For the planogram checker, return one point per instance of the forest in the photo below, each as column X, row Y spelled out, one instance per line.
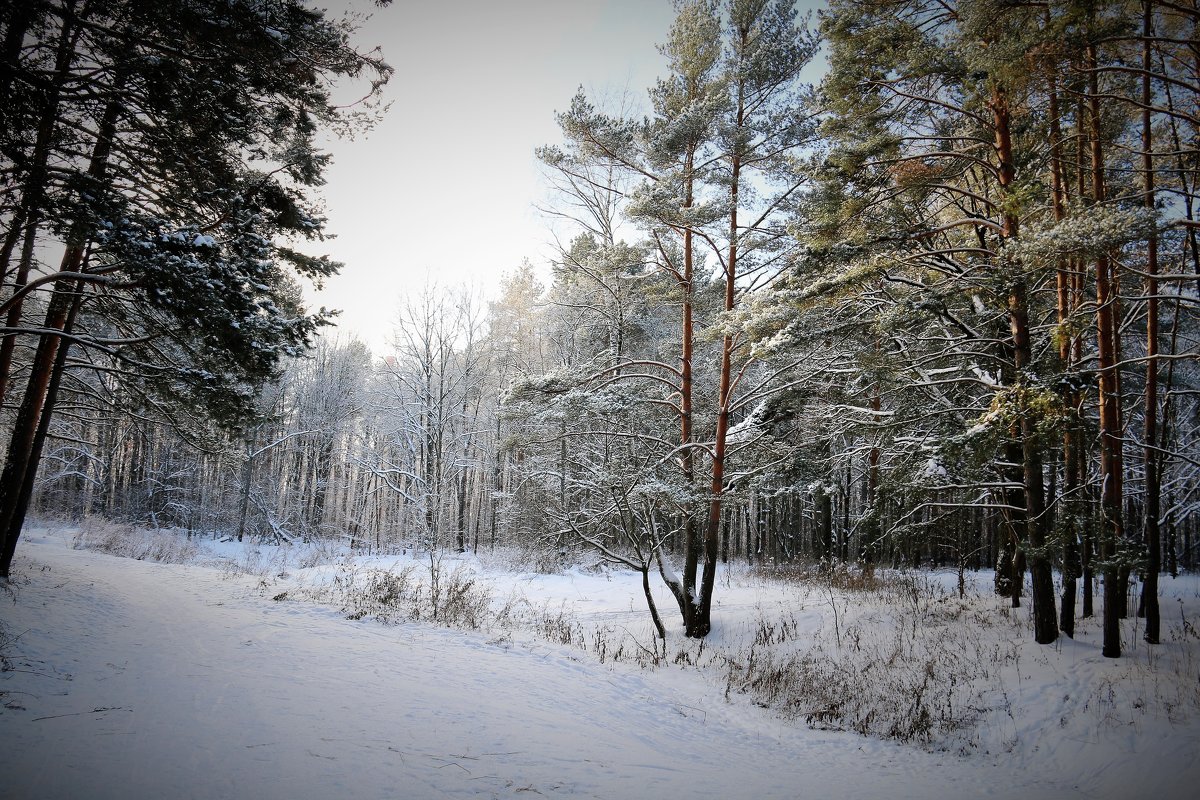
column 937, row 310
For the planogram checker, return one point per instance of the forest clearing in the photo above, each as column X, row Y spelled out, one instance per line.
column 275, row 671
column 761, row 398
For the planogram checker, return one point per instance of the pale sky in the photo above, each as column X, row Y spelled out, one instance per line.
column 444, row 188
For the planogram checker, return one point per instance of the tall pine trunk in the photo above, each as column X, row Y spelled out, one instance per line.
column 18, row 463
column 28, row 216
column 1068, row 523
column 1150, row 433
column 1045, row 622
column 1111, row 467
column 691, row 536
column 22, row 442
column 701, row 622
column 17, row 519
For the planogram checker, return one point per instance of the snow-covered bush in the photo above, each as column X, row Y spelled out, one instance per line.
column 127, row 541
column 529, row 557
column 256, row 560
column 454, row 598
column 918, row 678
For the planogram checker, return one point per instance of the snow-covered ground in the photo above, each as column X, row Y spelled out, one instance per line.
column 238, row 675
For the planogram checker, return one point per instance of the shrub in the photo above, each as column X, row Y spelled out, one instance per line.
column 455, row 599
column 120, row 539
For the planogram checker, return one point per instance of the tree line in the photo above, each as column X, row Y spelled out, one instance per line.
column 935, row 310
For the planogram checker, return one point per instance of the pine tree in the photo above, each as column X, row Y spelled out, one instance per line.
column 188, row 140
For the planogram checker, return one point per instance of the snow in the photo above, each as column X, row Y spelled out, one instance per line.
column 668, row 571
column 933, row 469
column 132, row 679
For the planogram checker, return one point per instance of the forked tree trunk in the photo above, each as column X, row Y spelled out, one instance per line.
column 29, row 414
column 17, row 521
column 33, row 404
column 702, row 622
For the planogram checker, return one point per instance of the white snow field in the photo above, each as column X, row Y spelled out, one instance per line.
column 130, row 679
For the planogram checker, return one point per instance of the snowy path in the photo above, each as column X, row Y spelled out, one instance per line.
column 154, row 681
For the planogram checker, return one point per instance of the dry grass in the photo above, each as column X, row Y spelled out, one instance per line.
column 453, row 598
column 127, row 541
column 919, row 676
